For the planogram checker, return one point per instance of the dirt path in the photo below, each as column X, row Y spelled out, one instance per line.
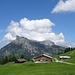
column 66, row 63
column 56, row 60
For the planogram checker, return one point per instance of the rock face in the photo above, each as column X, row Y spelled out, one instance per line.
column 47, row 42
column 30, row 48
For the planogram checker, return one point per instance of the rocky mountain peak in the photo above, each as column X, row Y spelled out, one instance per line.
column 48, row 42
column 30, row 48
column 20, row 40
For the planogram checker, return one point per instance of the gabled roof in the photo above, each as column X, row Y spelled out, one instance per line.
column 42, row 55
column 65, row 57
column 20, row 60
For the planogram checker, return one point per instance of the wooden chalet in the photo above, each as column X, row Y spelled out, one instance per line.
column 61, row 58
column 42, row 58
column 20, row 60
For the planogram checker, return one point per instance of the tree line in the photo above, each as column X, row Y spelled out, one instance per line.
column 69, row 49
column 7, row 59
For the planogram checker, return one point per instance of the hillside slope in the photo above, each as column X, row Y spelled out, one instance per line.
column 71, row 54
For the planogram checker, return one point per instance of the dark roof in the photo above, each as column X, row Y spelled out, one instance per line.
column 21, row 60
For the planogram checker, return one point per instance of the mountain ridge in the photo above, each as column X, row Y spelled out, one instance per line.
column 30, row 48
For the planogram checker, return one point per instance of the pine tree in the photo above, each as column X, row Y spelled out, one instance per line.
column 10, row 59
column 5, row 60
column 22, row 56
column 13, row 58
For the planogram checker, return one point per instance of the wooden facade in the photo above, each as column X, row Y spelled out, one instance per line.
column 42, row 58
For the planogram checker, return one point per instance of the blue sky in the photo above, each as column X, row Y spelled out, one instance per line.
column 56, row 15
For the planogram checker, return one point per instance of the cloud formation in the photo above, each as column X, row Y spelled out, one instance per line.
column 33, row 29
column 64, row 6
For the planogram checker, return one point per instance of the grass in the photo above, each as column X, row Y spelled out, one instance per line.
column 30, row 68
column 71, row 54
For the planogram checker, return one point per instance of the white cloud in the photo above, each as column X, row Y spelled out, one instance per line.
column 33, row 29
column 9, row 37
column 64, row 6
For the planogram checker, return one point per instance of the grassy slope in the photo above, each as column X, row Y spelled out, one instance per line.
column 71, row 54
column 37, row 69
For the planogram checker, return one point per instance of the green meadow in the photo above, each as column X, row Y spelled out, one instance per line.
column 30, row 68
column 71, row 54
